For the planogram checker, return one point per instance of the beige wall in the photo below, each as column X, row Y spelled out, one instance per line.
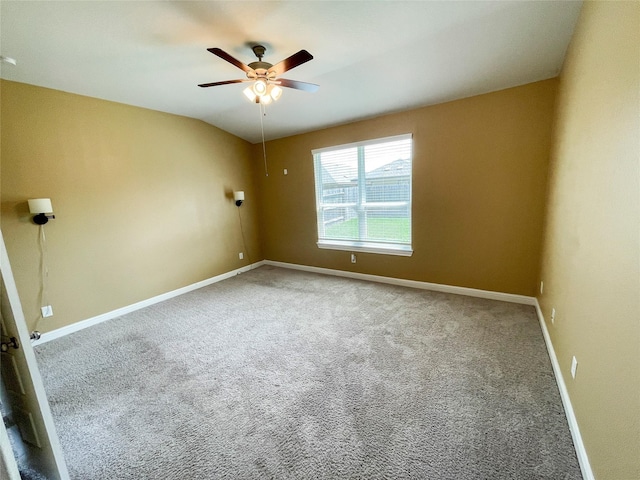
column 479, row 180
column 143, row 206
column 591, row 261
column 142, row 200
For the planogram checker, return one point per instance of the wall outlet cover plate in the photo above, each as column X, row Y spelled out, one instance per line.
column 574, row 367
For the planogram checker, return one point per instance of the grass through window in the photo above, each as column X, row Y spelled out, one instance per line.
column 388, row 229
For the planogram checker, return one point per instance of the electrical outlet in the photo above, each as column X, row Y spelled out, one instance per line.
column 241, row 256
column 541, row 287
column 353, row 258
column 574, row 367
column 286, row 172
column 47, row 311
column 553, row 315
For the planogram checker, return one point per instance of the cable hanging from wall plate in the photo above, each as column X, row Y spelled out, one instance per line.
column 44, row 272
column 244, row 241
column 263, row 113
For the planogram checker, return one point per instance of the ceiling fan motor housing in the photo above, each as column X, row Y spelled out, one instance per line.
column 258, row 66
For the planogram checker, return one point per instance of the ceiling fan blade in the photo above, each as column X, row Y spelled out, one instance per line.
column 234, row 61
column 293, row 61
column 307, row 87
column 226, row 82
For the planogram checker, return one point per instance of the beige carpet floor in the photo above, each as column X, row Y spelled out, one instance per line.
column 282, row 374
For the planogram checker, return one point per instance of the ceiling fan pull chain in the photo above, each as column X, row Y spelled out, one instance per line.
column 263, row 113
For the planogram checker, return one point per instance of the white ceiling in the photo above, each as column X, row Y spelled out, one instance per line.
column 371, row 57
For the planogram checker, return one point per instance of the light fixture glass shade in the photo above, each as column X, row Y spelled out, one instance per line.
column 248, row 92
column 276, row 92
column 239, row 195
column 265, row 99
column 260, row 87
column 40, row 205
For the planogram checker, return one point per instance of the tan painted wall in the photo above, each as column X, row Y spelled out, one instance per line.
column 479, row 180
column 142, row 199
column 591, row 261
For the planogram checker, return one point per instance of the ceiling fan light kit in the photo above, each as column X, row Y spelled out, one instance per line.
column 272, row 93
column 266, row 87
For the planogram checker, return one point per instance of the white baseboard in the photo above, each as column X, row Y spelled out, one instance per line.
column 471, row 292
column 81, row 325
column 578, row 444
column 436, row 287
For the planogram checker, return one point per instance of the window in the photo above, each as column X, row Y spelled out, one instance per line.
column 363, row 196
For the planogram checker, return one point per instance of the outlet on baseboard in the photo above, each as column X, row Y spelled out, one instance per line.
column 574, row 367
column 47, row 311
column 353, row 258
column 241, row 256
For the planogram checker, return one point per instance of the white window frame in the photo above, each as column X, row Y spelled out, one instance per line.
column 388, row 248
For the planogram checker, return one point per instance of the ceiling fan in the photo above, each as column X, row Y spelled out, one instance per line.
column 266, row 84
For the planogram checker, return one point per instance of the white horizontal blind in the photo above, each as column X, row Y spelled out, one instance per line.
column 363, row 194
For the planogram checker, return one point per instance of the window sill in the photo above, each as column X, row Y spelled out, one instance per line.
column 366, row 247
